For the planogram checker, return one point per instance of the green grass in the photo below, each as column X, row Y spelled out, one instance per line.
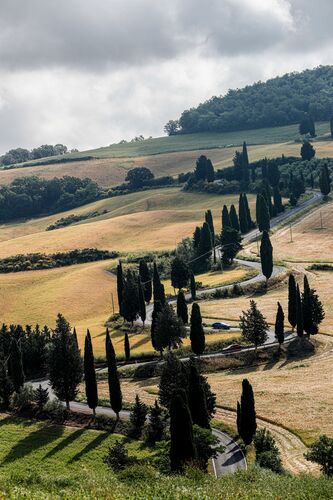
column 188, row 142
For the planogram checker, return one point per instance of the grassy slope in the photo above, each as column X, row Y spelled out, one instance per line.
column 47, row 461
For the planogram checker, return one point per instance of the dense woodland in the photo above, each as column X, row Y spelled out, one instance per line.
column 279, row 101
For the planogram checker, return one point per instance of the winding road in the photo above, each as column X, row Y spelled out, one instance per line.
column 231, row 458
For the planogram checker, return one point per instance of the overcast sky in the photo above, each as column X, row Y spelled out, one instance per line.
column 90, row 72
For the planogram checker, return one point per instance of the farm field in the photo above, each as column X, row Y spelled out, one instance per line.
column 112, row 171
column 149, row 220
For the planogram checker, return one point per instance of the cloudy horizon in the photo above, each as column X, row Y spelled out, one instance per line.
column 89, row 74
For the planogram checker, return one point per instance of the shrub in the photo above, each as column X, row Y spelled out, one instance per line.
column 23, row 399
column 55, row 411
column 321, row 452
column 237, row 290
column 267, row 453
column 117, row 457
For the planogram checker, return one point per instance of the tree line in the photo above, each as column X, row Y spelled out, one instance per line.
column 20, row 155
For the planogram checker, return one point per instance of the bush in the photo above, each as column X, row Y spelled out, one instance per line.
column 55, row 411
column 23, row 399
column 117, row 457
column 270, row 460
column 267, row 453
column 237, row 290
column 321, row 452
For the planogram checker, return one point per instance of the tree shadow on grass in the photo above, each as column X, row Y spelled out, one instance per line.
column 34, row 441
column 90, row 446
column 10, row 419
column 65, row 442
column 140, row 342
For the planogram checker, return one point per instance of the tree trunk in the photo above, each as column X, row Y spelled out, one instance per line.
column 67, row 405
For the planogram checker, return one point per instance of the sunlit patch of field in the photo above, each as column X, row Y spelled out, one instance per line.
column 154, row 220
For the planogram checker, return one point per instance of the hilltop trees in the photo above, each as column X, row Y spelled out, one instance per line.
column 197, row 334
column 246, row 414
column 65, row 362
column 89, row 374
column 266, row 255
column 254, row 326
column 113, row 377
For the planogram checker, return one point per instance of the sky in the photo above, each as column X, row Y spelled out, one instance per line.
column 88, row 73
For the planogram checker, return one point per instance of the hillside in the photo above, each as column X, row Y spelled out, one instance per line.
column 279, row 101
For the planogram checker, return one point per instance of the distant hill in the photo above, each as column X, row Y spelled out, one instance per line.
column 279, row 101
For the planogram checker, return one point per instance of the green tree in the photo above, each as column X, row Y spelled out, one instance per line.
column 141, row 301
column 196, row 237
column 6, row 386
column 182, row 449
column 254, row 326
column 321, row 452
column 299, row 313
column 230, row 244
column 245, row 165
column 266, row 255
column 138, row 417
column 65, row 363
column 277, row 198
column 130, row 303
column 113, row 377
column 158, row 288
column 169, row 330
column 16, row 365
column 145, row 277
column 41, row 396
column 205, row 443
column 200, row 171
column 225, row 217
column 138, row 176
column 197, row 334
column 292, row 301
column 90, row 374
column 210, row 222
column 120, row 286
column 193, row 287
column 238, row 418
column 156, row 424
column 157, row 309
column 205, row 249
column 273, row 174
column 279, row 325
column 250, row 223
column 248, row 424
column 179, row 273
column 313, row 311
column 307, row 151
column 324, row 181
column 234, row 218
column 182, row 311
column 197, row 398
column 243, row 220
column 173, row 378
column 262, row 214
column 210, row 173
column 127, row 347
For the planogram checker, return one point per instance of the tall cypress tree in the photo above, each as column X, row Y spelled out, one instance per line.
column 200, row 171
column 324, row 181
column 158, row 288
column 156, row 424
column 245, row 164
column 266, row 255
column 182, row 449
column 65, row 363
column 145, row 277
column 277, row 198
column 75, row 337
column 130, row 303
column 157, row 309
column 205, row 248
column 120, row 286
column 299, row 314
column 209, row 220
column 193, row 287
column 16, row 365
column 279, row 325
column 248, row 212
column 90, row 374
column 6, row 386
column 225, row 217
column 197, row 334
column 142, row 303
column 262, row 212
column 234, row 218
column 248, row 424
column 127, row 347
column 197, row 398
column 113, row 377
column 292, row 301
column 210, row 173
column 182, row 312
column 243, row 219
column 313, row 311
column 196, row 237
column 266, row 193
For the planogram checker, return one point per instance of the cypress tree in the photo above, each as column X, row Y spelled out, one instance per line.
column 158, row 288
column 210, row 173
column 113, row 377
column 173, row 377
column 75, row 338
column 243, row 220
column 182, row 312
column 197, row 334
column 138, row 418
column 299, row 314
column 16, row 365
column 266, row 193
column 145, row 277
column 250, row 223
column 254, row 326
column 130, row 303
column 307, row 151
column 312, row 128
column 120, row 286
column 90, row 374
column 142, row 302
column 157, row 309
column 210, row 222
column 193, row 287
column 331, row 126
column 313, row 312
column 127, row 347
column 324, row 182
column 266, row 255
column 205, row 248
column 6, row 386
column 225, row 217
column 292, row 301
column 197, row 398
column 248, row 424
column 196, row 237
column 65, row 363
column 200, row 171
column 273, row 174
column 182, row 449
column 156, row 424
column 263, row 217
column 279, row 325
column 245, row 164
column 41, row 396
column 234, row 218
column 277, row 198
